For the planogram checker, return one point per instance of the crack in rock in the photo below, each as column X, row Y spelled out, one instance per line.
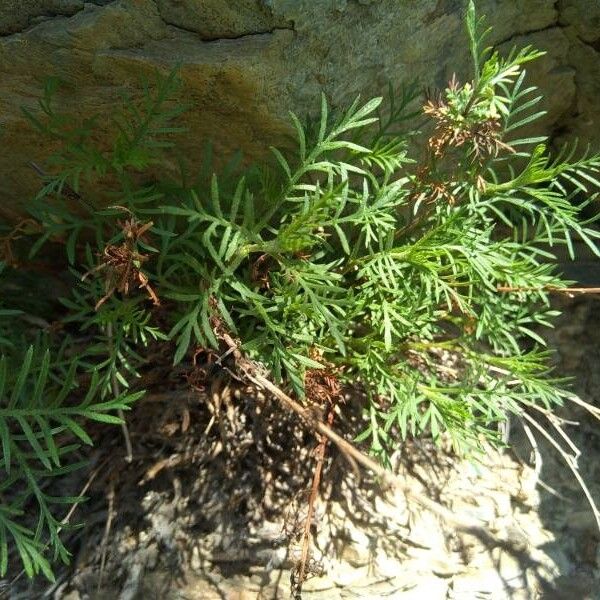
column 514, row 36
column 210, row 39
column 244, row 35
column 595, row 45
column 212, row 24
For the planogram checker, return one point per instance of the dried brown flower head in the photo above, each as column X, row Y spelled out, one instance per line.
column 322, row 386
column 122, row 263
column 455, row 128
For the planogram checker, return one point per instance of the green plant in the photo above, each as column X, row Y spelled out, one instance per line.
column 416, row 281
column 36, row 413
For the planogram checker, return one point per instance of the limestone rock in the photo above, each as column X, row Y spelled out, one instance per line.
column 583, row 17
column 215, row 19
column 554, row 75
column 17, row 15
column 244, row 68
column 489, row 583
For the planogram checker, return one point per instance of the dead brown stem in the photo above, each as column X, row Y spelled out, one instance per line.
column 314, row 490
column 569, row 291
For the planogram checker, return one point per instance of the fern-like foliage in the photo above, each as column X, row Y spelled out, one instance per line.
column 37, row 415
column 420, row 278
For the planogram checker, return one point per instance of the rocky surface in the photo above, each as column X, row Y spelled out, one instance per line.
column 212, row 512
column 367, row 546
column 245, row 67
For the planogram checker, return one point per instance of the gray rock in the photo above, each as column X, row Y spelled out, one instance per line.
column 583, row 17
column 17, row 15
column 244, row 68
column 487, row 583
column 215, row 19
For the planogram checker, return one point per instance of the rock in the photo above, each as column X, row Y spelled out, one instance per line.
column 581, row 586
column 580, row 22
column 481, row 507
column 244, row 68
column 18, row 15
column 340, row 575
column 582, row 521
column 487, row 583
column 426, row 531
column 445, row 566
column 554, row 76
column 508, row 564
column 531, row 531
column 432, row 588
column 215, row 19
column 583, row 17
column 356, row 554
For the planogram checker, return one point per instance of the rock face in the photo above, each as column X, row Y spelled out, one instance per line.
column 245, row 64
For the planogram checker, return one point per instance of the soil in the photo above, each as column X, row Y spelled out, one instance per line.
column 214, row 502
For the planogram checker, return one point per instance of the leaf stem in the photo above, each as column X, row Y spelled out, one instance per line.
column 114, row 384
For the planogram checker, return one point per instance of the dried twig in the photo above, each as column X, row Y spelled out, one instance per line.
column 593, row 410
column 254, row 373
column 388, row 478
column 63, row 189
column 299, row 574
column 537, row 461
column 556, row 422
column 569, row 291
column 122, row 263
column 571, row 463
column 110, row 496
column 22, row 228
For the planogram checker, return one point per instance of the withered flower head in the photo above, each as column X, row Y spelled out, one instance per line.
column 122, row 263
column 322, row 386
column 459, row 120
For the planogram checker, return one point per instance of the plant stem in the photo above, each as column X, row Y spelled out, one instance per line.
column 550, row 288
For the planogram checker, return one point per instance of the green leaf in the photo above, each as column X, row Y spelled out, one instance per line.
column 343, row 239
column 21, row 377
column 76, row 429
column 40, row 454
column 324, row 117
column 306, row 361
column 6, row 445
column 282, row 162
column 41, row 378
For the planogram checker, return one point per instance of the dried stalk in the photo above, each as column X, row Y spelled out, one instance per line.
column 556, row 422
column 314, row 490
column 593, row 410
column 110, row 496
column 254, row 373
column 571, row 463
column 537, row 461
column 388, row 478
column 569, row 291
